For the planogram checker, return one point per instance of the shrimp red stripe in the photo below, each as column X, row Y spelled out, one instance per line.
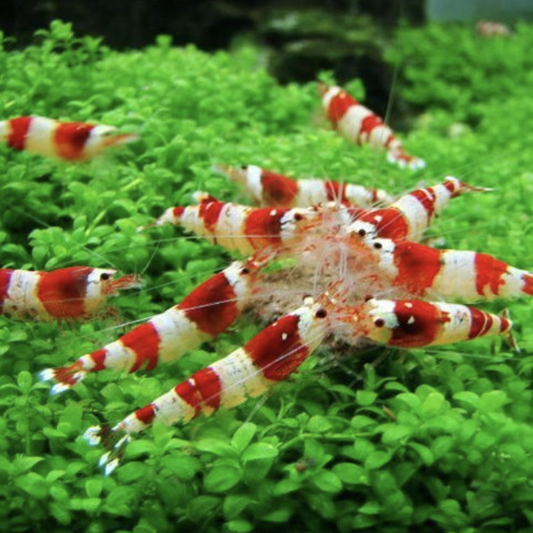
column 368, row 125
column 213, row 306
column 62, row 293
column 69, row 141
column 271, row 188
column 144, row 342
column 417, row 265
column 264, row 348
column 19, row 130
column 489, row 273
column 278, row 190
column 206, row 312
column 5, row 278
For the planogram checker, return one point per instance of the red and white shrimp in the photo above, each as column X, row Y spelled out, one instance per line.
column 68, row 293
column 269, row 357
column 205, row 313
column 68, row 141
column 274, row 189
column 241, row 228
column 360, row 125
column 416, row 323
column 419, row 270
column 409, row 216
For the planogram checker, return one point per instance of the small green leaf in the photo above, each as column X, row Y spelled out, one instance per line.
column 361, row 421
column 93, row 487
column 327, row 481
column 377, row 459
column 350, row 473
column 362, row 448
column 410, row 400
column 23, row 464
column 363, row 521
column 433, row 404
column 493, row 401
column 24, row 381
column 370, row 508
column 243, row 436
column 59, row 492
column 285, row 486
column 33, row 484
column 467, row 399
column 396, row 433
column 259, row 450
column 239, row 526
column 222, row 478
column 132, row 471
column 60, row 513
column 140, row 447
column 319, row 424
column 184, row 466
column 441, row 446
column 234, row 505
column 91, row 504
column 424, row 452
column 366, row 397
column 278, row 515
column 216, row 447
column 484, row 440
column 202, row 505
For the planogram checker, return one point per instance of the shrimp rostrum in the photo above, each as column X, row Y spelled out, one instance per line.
column 372, row 281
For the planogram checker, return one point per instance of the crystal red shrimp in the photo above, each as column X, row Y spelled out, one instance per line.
column 409, row 216
column 424, row 271
column 274, row 189
column 67, row 293
column 203, row 314
column 359, row 125
column 238, row 227
column 405, row 219
column 417, row 323
column 269, row 357
column 68, row 141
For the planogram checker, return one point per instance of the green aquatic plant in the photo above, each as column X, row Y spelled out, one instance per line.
column 438, row 439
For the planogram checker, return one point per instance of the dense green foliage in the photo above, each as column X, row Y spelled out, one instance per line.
column 438, row 440
column 446, row 67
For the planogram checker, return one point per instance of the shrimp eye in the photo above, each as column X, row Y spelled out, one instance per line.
column 321, row 313
column 378, row 245
column 104, row 276
column 298, row 217
column 379, row 322
column 245, row 271
column 361, row 232
column 243, row 167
